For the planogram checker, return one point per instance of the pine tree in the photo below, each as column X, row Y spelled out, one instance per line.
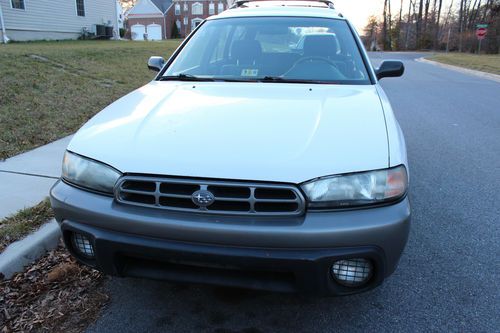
column 175, row 31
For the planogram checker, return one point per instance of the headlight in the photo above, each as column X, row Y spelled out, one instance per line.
column 87, row 173
column 358, row 189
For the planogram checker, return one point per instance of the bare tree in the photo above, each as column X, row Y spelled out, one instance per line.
column 460, row 24
column 426, row 15
column 400, row 13
column 385, row 34
column 390, row 24
column 438, row 17
column 434, row 23
column 371, row 33
column 126, row 4
column 419, row 23
column 486, row 8
column 408, row 24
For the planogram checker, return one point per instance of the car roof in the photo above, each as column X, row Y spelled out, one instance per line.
column 281, row 8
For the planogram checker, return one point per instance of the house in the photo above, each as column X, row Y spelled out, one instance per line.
column 121, row 15
column 155, row 19
column 56, row 19
column 148, row 19
column 189, row 13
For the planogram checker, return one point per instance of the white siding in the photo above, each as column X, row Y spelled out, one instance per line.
column 121, row 16
column 57, row 16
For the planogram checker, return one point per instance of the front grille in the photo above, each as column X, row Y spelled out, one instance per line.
column 229, row 197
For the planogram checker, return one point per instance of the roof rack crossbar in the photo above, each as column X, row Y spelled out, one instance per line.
column 241, row 3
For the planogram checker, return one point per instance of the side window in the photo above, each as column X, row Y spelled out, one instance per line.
column 17, row 4
column 80, row 7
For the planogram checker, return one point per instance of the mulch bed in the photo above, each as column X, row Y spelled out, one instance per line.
column 55, row 294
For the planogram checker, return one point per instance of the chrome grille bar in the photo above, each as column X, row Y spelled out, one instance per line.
column 230, row 197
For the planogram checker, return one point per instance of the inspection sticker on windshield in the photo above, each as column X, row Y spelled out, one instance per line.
column 250, row 72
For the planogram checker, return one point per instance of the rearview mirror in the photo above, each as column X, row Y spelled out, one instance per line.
column 390, row 68
column 156, row 63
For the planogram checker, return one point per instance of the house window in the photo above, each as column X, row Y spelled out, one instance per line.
column 80, row 7
column 185, row 21
column 185, row 7
column 195, row 22
column 211, row 9
column 17, row 4
column 178, row 24
column 177, row 9
column 197, row 9
column 220, row 7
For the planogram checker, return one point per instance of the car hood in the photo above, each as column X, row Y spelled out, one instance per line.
column 242, row 131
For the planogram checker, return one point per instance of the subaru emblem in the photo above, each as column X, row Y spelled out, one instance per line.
column 203, row 198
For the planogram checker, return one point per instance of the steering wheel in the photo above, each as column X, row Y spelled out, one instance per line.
column 320, row 59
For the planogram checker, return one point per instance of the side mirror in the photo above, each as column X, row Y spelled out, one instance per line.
column 156, row 63
column 390, row 68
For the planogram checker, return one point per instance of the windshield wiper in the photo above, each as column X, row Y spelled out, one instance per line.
column 185, row 77
column 271, row 79
column 193, row 78
column 284, row 80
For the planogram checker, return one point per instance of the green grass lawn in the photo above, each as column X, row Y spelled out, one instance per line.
column 485, row 63
column 49, row 89
column 24, row 222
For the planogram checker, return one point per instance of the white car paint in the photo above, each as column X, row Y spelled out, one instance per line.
column 249, row 131
column 395, row 137
column 274, row 8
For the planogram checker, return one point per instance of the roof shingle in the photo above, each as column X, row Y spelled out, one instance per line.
column 163, row 5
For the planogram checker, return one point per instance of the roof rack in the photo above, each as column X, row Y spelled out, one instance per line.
column 242, row 3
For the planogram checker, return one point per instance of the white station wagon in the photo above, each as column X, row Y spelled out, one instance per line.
column 263, row 155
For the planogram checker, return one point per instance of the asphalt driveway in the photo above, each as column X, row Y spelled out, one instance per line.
column 448, row 278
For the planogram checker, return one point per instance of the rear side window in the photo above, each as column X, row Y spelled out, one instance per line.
column 289, row 48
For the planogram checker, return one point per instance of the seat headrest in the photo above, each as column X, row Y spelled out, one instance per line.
column 246, row 52
column 320, row 46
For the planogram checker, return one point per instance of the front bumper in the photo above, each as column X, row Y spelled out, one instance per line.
column 282, row 254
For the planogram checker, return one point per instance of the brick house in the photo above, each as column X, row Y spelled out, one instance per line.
column 189, row 13
column 155, row 19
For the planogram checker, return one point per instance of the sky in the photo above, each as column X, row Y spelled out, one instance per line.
column 358, row 11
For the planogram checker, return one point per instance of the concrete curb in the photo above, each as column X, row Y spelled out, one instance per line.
column 483, row 75
column 23, row 252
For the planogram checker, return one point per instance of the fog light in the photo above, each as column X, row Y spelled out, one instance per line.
column 352, row 272
column 83, row 245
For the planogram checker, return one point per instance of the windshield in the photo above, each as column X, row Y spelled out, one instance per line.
column 274, row 49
